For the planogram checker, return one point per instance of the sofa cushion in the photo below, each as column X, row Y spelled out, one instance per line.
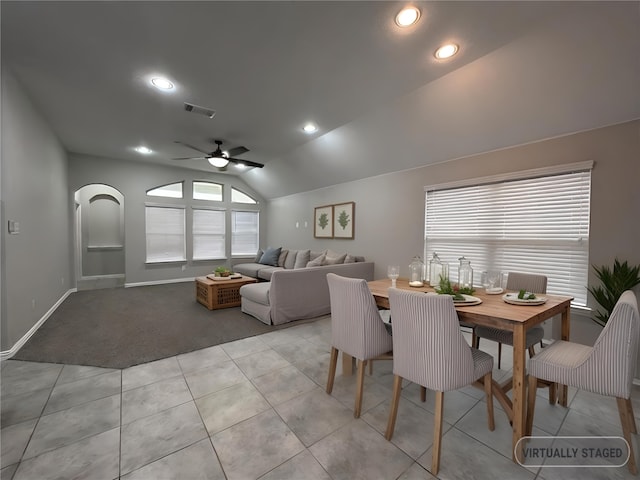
column 334, row 260
column 302, row 258
column 350, row 258
column 317, row 262
column 248, row 269
column 266, row 271
column 282, row 257
column 290, row 262
column 315, row 254
column 270, row 256
column 258, row 256
column 259, row 292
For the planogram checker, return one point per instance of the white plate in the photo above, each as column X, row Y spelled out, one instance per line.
column 494, row 291
column 468, row 300
column 513, row 299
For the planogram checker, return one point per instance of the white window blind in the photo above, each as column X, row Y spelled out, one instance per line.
column 165, row 234
column 245, row 237
column 534, row 225
column 208, row 234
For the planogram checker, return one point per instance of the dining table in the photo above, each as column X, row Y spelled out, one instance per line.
column 494, row 311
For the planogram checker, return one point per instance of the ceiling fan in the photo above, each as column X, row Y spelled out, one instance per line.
column 219, row 158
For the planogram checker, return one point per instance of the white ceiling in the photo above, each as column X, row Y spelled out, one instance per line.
column 526, row 71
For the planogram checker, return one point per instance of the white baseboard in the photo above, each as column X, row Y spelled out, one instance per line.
column 6, row 354
column 159, row 282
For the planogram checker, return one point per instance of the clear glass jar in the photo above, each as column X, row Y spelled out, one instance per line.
column 465, row 273
column 437, row 270
column 416, row 272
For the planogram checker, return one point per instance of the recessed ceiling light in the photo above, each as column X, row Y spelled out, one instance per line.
column 162, row 83
column 310, row 128
column 446, row 51
column 144, row 150
column 407, row 16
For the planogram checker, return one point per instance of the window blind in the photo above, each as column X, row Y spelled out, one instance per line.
column 532, row 225
column 208, row 234
column 165, row 234
column 245, row 238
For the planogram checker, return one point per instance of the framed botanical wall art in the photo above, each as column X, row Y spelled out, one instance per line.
column 323, row 222
column 344, row 217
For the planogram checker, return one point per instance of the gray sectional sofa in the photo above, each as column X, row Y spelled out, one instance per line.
column 296, row 293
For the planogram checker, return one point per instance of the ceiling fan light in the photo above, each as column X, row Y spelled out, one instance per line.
column 218, row 162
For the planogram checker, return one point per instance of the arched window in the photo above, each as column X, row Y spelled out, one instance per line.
column 207, row 191
column 173, row 190
column 240, row 197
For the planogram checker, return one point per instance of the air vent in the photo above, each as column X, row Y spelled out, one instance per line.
column 207, row 112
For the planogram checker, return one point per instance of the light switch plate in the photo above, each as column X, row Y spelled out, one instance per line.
column 14, row 227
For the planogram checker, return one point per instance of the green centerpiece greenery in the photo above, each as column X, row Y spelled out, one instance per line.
column 614, row 283
column 222, row 271
column 446, row 288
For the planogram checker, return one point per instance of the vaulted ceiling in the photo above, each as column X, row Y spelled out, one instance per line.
column 525, row 71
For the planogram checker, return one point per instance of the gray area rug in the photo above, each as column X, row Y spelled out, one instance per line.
column 121, row 327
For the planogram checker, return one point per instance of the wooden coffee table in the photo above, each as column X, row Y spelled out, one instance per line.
column 215, row 294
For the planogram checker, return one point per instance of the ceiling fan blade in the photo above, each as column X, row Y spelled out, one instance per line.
column 248, row 163
column 190, row 158
column 192, row 147
column 237, row 151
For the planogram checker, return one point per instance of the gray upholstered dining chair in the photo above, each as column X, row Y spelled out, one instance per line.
column 356, row 329
column 607, row 368
column 516, row 281
column 430, row 350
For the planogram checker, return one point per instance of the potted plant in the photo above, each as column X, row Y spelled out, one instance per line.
column 614, row 283
column 222, row 271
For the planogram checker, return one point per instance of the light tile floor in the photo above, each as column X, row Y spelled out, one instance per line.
column 256, row 409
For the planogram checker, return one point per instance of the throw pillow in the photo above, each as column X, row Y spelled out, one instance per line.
column 349, row 258
column 290, row 262
column 258, row 256
column 313, row 254
column 270, row 256
column 318, row 262
column 282, row 257
column 334, row 260
column 302, row 258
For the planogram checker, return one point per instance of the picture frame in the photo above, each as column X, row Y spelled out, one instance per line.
column 323, row 222
column 344, row 218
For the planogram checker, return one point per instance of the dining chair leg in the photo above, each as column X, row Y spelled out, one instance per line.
column 627, row 427
column 423, row 393
column 359, row 388
column 393, row 411
column 475, row 340
column 333, row 362
column 634, row 428
column 488, row 390
column 532, row 351
column 437, row 434
column 499, row 355
column 531, row 404
column 553, row 393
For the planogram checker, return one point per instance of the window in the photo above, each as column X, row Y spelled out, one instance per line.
column 244, row 233
column 173, row 190
column 535, row 223
column 208, row 234
column 165, row 233
column 239, row 197
column 207, row 191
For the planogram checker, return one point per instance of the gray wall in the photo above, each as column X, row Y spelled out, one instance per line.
column 133, row 180
column 390, row 208
column 36, row 263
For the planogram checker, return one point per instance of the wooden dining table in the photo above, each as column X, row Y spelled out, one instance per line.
column 495, row 312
